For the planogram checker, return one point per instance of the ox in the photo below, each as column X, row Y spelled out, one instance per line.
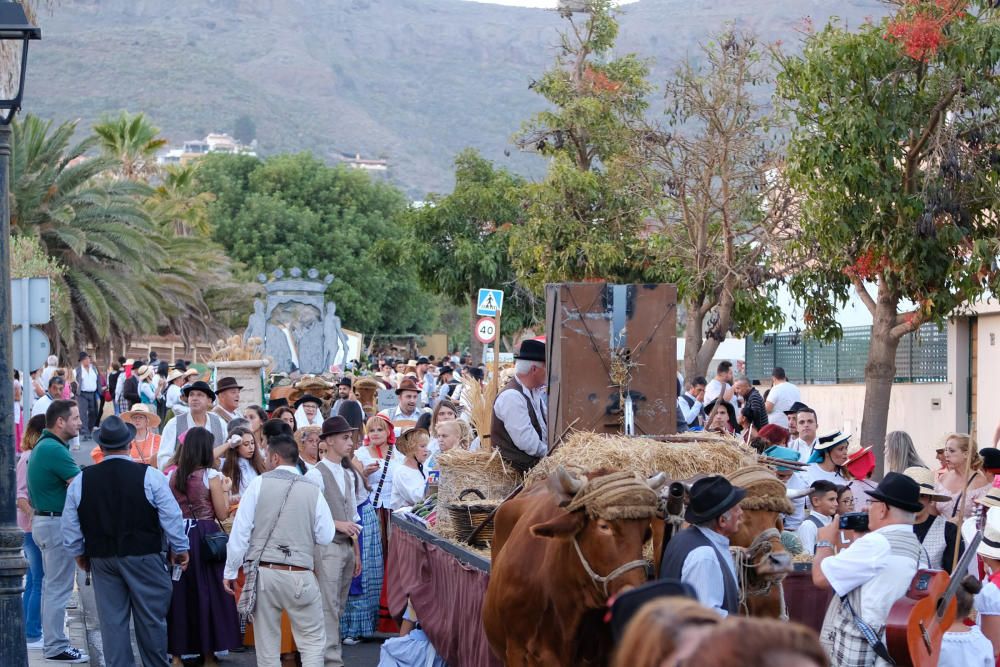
column 553, row 571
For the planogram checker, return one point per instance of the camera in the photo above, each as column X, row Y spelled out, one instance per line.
column 856, row 521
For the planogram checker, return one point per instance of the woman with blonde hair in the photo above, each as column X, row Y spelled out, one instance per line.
column 900, row 453
column 963, row 476
column 32, row 598
column 758, row 642
column 663, row 629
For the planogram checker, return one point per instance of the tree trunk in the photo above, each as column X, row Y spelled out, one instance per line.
column 475, row 347
column 880, row 372
column 693, row 337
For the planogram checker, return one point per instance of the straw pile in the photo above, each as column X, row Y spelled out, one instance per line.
column 482, row 470
column 679, row 456
column 481, row 398
column 764, row 491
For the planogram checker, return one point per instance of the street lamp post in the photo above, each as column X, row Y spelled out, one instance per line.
column 16, row 31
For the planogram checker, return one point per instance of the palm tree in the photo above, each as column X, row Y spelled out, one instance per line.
column 95, row 228
column 132, row 141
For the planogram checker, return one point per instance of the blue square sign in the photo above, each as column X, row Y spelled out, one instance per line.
column 490, row 302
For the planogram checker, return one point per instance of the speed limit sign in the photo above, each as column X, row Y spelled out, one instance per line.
column 486, row 330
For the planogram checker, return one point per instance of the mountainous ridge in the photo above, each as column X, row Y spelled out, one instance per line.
column 415, row 81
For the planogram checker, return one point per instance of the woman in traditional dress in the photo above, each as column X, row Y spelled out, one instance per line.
column 444, row 411
column 307, row 438
column 963, row 476
column 307, row 411
column 202, row 618
column 172, row 397
column 256, row 415
column 243, row 462
column 409, row 479
column 146, row 443
column 287, row 415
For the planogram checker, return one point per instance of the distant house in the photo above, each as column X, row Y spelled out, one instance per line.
column 355, row 161
column 195, row 148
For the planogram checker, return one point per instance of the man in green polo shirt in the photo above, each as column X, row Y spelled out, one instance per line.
column 50, row 470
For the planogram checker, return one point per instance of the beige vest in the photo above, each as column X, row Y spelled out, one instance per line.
column 292, row 542
column 340, row 508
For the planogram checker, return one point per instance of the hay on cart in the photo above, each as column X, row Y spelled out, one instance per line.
column 484, row 471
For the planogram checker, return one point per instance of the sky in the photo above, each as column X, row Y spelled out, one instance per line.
column 547, row 4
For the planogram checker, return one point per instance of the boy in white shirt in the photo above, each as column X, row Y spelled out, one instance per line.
column 823, row 499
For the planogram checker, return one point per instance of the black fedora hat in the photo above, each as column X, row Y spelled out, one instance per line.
column 309, row 398
column 352, row 412
column 797, row 406
column 627, row 604
column 275, row 403
column 531, row 350
column 201, row 386
column 711, row 497
column 114, row 433
column 227, row 383
column 991, row 457
column 335, row 425
column 344, row 382
column 898, row 490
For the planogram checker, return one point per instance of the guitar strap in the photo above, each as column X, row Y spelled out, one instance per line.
column 869, row 634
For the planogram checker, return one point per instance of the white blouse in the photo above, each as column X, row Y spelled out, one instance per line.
column 366, row 458
column 407, row 487
column 988, row 600
column 966, row 649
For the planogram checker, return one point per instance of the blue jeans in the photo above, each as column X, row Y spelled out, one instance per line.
column 32, row 597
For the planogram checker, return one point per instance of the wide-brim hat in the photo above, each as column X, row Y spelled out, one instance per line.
column 199, row 385
column 991, row 457
column 152, row 419
column 831, row 440
column 711, row 497
column 174, row 375
column 143, row 371
column 797, row 406
column 990, row 546
column 191, row 372
column 925, row 478
column 898, row 490
column 114, row 433
column 860, row 461
column 730, row 410
column 308, row 398
column 784, row 454
column 531, row 350
column 991, row 499
column 227, row 383
column 335, row 426
column 406, row 384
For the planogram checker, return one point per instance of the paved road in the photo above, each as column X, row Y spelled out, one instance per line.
column 362, row 655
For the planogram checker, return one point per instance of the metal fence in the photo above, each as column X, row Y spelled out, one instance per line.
column 921, row 357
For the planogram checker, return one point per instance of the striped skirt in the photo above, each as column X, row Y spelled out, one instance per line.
column 361, row 612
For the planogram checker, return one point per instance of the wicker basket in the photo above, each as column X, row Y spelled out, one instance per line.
column 466, row 517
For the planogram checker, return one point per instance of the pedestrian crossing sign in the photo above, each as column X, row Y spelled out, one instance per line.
column 490, row 302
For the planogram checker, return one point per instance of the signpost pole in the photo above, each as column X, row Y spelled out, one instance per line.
column 496, row 357
column 24, row 363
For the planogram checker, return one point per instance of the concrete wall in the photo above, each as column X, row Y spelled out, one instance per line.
column 925, row 411
column 988, row 407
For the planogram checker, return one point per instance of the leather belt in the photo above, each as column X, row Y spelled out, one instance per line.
column 283, row 566
column 37, row 513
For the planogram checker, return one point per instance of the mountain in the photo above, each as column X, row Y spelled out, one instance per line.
column 414, row 81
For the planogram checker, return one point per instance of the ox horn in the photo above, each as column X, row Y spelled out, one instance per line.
column 795, row 494
column 657, row 480
column 567, row 482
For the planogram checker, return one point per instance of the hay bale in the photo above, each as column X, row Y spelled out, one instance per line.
column 460, row 469
column 679, row 456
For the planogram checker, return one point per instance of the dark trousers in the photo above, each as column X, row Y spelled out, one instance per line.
column 88, row 412
column 136, row 586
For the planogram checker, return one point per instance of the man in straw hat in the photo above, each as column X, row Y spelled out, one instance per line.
column 199, row 399
column 870, row 575
column 699, row 555
column 937, row 535
column 145, row 443
column 519, row 429
column 116, row 517
column 340, row 561
column 227, row 399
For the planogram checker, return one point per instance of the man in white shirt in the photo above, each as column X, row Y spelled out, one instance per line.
column 281, row 519
column 823, row 500
column 227, row 399
column 722, row 385
column 806, row 424
column 781, row 397
column 338, row 562
column 519, row 429
column 691, row 404
column 869, row 576
column 51, row 366
column 87, row 386
column 55, row 390
column 199, row 398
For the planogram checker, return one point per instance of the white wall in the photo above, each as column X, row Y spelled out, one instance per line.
column 987, row 403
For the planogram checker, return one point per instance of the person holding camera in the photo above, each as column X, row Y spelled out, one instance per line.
column 115, row 518
column 870, row 575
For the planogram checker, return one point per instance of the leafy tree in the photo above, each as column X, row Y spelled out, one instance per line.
column 895, row 158
column 133, row 141
column 709, row 180
column 459, row 242
column 95, row 229
column 293, row 210
column 244, row 129
column 585, row 220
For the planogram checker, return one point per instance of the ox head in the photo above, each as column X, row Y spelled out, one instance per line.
column 604, row 528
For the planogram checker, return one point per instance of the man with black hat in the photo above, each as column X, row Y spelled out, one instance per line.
column 870, row 575
column 199, row 398
column 344, row 387
column 519, row 429
column 699, row 555
column 88, row 384
column 116, row 516
column 227, row 399
column 340, row 561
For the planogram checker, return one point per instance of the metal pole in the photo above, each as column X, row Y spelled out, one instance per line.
column 13, row 650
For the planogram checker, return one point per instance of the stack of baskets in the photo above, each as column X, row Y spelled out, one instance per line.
column 467, row 515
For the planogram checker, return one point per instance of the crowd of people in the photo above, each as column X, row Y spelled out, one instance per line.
column 194, row 489
column 218, row 525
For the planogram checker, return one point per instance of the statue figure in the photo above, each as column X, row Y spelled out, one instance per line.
column 258, row 322
column 335, row 341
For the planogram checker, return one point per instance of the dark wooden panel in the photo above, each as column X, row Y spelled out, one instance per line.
column 587, row 325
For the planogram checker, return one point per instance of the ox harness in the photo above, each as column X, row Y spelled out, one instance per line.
column 602, row 581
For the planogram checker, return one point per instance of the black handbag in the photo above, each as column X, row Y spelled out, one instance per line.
column 213, row 545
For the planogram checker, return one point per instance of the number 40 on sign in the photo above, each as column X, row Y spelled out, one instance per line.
column 486, row 330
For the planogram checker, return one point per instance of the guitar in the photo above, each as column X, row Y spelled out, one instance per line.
column 917, row 622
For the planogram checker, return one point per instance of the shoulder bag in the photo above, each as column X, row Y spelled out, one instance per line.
column 247, row 603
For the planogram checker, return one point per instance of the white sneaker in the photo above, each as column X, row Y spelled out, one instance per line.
column 350, row 641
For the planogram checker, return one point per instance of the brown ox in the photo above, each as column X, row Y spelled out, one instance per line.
column 553, row 572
